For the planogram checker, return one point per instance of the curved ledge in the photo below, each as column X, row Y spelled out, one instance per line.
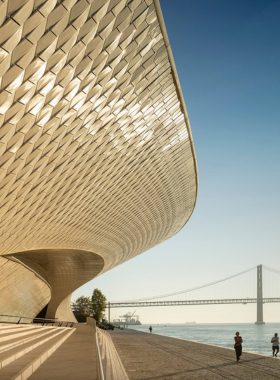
column 177, row 84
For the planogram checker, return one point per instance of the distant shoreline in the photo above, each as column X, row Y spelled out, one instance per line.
column 202, row 323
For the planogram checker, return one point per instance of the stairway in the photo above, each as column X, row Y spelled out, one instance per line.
column 23, row 348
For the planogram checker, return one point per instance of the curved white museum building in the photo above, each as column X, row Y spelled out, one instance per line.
column 97, row 162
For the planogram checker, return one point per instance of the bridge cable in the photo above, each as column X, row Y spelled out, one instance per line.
column 188, row 290
column 271, row 269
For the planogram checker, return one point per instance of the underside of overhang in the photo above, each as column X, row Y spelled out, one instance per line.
column 64, row 270
column 22, row 291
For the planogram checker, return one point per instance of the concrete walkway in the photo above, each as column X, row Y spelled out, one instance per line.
column 75, row 359
column 153, row 357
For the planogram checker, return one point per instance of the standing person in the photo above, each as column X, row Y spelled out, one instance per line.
column 151, row 329
column 275, row 344
column 238, row 346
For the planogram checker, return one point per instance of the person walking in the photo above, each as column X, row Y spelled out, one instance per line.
column 151, row 329
column 275, row 344
column 238, row 345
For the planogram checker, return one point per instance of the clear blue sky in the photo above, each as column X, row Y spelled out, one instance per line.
column 228, row 60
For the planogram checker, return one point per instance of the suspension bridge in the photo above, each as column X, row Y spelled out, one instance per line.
column 258, row 285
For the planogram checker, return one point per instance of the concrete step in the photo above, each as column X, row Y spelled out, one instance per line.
column 19, row 363
column 17, row 339
column 9, row 326
column 15, row 329
column 14, row 334
column 16, row 342
column 17, row 351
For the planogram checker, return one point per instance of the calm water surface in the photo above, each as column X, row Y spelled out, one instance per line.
column 256, row 338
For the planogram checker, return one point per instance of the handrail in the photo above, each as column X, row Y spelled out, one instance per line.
column 43, row 321
column 99, row 365
column 22, row 316
column 100, row 374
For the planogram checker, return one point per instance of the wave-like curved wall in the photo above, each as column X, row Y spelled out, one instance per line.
column 22, row 292
column 96, row 153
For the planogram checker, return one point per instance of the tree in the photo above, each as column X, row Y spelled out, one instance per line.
column 98, row 303
column 81, row 304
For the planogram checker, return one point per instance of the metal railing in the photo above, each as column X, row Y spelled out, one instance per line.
column 16, row 319
column 100, row 375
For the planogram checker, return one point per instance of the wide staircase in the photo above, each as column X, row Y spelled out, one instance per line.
column 24, row 348
column 43, row 352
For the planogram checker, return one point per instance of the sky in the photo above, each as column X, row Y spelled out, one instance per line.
column 228, row 61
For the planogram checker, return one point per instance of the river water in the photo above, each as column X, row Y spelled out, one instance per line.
column 256, row 338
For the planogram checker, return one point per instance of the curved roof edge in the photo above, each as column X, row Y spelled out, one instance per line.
column 178, row 87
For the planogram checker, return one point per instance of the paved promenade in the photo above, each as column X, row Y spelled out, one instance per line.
column 75, row 359
column 155, row 357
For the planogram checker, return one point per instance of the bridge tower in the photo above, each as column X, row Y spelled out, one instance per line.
column 259, row 296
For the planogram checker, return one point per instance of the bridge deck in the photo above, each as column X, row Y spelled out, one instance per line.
column 155, row 357
column 190, row 302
